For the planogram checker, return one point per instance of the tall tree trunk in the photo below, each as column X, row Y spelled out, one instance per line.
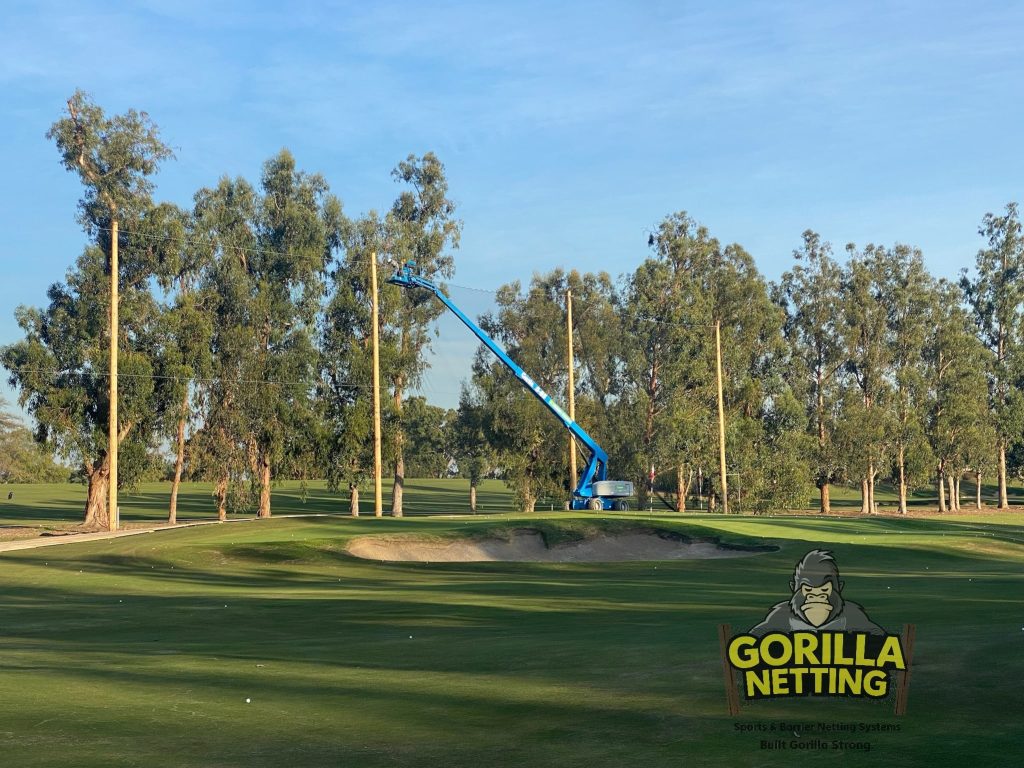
column 472, row 496
column 977, row 490
column 179, row 457
column 399, row 486
column 221, row 493
column 871, row 489
column 942, row 488
column 1003, row 501
column 682, row 488
column 264, row 486
column 96, row 516
column 864, row 496
column 353, row 499
column 529, row 501
column 901, row 463
column 823, row 492
column 957, row 483
column 954, row 503
column 179, row 464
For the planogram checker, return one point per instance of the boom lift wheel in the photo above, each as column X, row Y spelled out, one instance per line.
column 595, row 505
column 621, row 506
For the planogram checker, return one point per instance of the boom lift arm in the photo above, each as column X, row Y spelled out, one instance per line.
column 593, row 490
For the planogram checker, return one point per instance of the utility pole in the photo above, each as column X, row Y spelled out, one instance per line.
column 572, row 389
column 113, row 517
column 375, row 324
column 721, row 417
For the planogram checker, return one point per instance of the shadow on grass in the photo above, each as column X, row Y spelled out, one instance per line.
column 492, row 663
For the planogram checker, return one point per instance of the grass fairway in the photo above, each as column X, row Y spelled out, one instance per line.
column 142, row 651
column 61, row 505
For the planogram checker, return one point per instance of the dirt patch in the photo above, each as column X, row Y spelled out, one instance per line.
column 16, row 533
column 528, row 546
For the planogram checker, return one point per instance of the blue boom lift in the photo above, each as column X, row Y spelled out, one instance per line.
column 594, row 490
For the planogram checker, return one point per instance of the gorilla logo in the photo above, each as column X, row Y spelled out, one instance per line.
column 817, row 603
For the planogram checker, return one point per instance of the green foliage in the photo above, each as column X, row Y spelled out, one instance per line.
column 262, row 290
column 473, row 451
column 531, row 442
column 996, row 296
column 22, row 459
column 60, row 367
column 429, row 434
column 114, row 156
column 247, row 320
column 420, row 226
column 670, row 307
column 962, row 429
column 810, row 293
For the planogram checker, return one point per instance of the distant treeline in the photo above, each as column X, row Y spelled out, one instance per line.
column 245, row 347
column 858, row 370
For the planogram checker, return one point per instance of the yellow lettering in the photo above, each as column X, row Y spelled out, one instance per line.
column 850, row 681
column 819, row 673
column 876, row 683
column 805, row 646
column 742, row 653
column 798, row 679
column 840, row 659
column 892, row 653
column 780, row 683
column 759, row 680
column 863, row 660
column 785, row 650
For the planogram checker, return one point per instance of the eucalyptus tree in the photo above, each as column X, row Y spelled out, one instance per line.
column 473, row 451
column 597, row 348
column 60, row 370
column 528, row 439
column 224, row 232
column 189, row 330
column 420, row 227
column 962, row 429
column 867, row 416
column 909, row 296
column 272, row 248
column 22, row 459
column 810, row 293
column 429, row 433
column 665, row 412
column 297, row 229
column 61, row 366
column 346, row 371
column 671, row 305
column 996, row 295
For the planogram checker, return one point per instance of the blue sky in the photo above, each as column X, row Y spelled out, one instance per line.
column 568, row 130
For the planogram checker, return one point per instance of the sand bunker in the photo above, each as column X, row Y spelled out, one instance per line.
column 529, row 547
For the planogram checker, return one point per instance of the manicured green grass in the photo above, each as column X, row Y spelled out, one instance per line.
column 61, row 504
column 143, row 650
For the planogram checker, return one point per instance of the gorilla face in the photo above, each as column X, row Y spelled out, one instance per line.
column 817, row 590
column 817, row 604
